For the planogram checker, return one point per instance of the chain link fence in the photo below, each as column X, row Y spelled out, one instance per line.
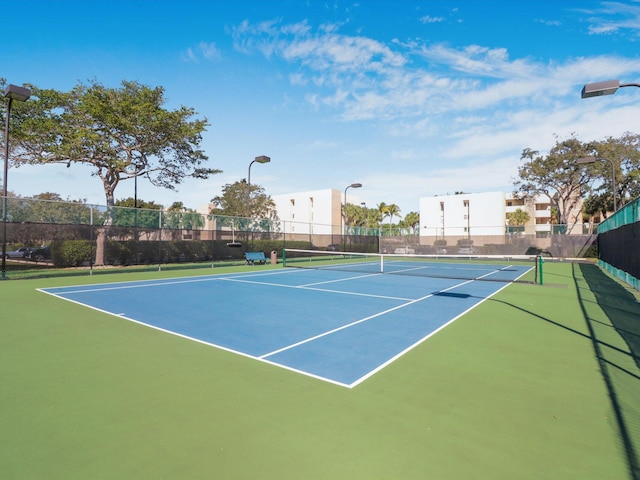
column 73, row 234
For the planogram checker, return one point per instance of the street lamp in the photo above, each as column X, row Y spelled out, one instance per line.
column 613, row 175
column 344, row 218
column 21, row 94
column 260, row 159
column 608, row 87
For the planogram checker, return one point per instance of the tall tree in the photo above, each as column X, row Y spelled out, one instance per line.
column 123, row 133
column 132, row 212
column 234, row 198
column 390, row 211
column 558, row 176
column 180, row 217
column 374, row 217
column 624, row 155
column 354, row 215
column 412, row 220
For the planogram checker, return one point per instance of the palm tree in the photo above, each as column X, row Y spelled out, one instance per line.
column 518, row 218
column 390, row 211
column 412, row 220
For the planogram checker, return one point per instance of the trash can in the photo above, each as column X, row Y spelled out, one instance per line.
column 274, row 257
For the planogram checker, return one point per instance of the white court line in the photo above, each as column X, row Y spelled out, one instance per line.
column 423, row 339
column 343, row 327
column 157, row 283
column 304, row 287
column 341, row 279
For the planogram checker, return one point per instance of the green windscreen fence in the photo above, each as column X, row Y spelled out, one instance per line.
column 619, row 244
column 50, row 235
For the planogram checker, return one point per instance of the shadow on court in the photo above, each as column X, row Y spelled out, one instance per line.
column 616, row 343
column 612, row 316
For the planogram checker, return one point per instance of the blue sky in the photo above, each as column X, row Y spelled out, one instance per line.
column 410, row 98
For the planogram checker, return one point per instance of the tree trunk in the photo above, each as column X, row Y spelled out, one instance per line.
column 101, row 235
column 101, row 243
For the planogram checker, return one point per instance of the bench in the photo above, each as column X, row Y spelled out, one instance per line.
column 255, row 257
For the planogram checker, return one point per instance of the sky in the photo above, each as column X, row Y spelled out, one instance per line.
column 410, row 98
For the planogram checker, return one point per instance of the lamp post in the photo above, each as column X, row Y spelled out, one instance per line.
column 21, row 94
column 260, row 159
column 608, row 87
column 613, row 175
column 344, row 218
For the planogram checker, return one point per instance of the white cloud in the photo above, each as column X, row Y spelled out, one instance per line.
column 204, row 50
column 615, row 17
column 430, row 19
column 209, row 51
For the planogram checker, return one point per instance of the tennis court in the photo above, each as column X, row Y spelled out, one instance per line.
column 532, row 382
column 339, row 322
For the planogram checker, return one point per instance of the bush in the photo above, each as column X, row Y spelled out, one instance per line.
column 72, row 253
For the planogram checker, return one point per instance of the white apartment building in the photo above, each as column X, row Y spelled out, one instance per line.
column 463, row 214
column 312, row 212
column 484, row 216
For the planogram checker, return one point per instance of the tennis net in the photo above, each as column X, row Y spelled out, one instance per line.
column 498, row 268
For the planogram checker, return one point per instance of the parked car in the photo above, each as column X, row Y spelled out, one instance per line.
column 334, row 247
column 39, row 254
column 18, row 253
column 404, row 251
column 466, row 251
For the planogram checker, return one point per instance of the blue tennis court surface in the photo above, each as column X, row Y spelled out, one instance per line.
column 337, row 326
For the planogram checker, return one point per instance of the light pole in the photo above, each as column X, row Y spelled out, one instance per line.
column 21, row 94
column 608, row 87
column 260, row 159
column 613, row 175
column 344, row 217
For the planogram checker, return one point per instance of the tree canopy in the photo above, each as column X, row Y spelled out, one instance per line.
column 557, row 176
column 237, row 201
column 517, row 218
column 411, row 220
column 566, row 183
column 622, row 160
column 123, row 132
column 389, row 210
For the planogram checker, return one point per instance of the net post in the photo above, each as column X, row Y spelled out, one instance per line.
column 540, row 262
column 284, row 258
